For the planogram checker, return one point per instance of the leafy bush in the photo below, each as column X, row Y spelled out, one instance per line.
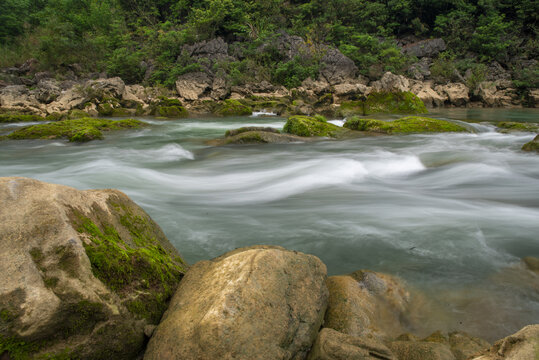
column 292, row 73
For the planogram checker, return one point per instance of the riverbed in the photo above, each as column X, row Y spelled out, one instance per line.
column 452, row 214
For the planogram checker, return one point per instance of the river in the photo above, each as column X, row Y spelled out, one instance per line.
column 452, row 214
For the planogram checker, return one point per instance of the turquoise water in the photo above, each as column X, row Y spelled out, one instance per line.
column 450, row 213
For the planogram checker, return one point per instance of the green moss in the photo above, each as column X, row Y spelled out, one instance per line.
column 326, row 99
column 105, row 109
column 231, row 107
column 84, row 315
column 14, row 118
column 309, row 126
column 17, row 348
column 409, row 124
column 50, row 282
column 164, row 101
column 79, row 130
column 172, row 111
column 250, row 137
column 385, row 102
column 532, row 145
column 6, row 315
column 77, row 114
column 119, row 112
column 55, row 116
column 145, row 268
column 508, row 127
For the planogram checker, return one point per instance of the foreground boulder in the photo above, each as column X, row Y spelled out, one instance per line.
column 256, row 135
column 83, row 272
column 260, row 302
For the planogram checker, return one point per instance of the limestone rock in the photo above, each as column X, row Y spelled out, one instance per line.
column 213, row 50
column 72, row 98
column 391, row 83
column 426, row 93
column 456, row 93
column 491, row 96
column 191, row 86
column 463, row 345
column 334, row 345
column 112, row 87
column 47, row 90
column 522, row 345
column 20, row 99
column 337, row 67
column 82, row 271
column 368, row 301
column 318, row 87
column 425, row 48
column 260, row 302
column 532, row 145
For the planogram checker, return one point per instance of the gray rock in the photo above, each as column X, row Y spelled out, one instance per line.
column 337, row 67
column 425, row 48
column 213, row 50
column 260, row 302
column 192, row 86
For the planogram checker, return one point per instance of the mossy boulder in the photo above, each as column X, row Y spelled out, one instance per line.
column 168, row 108
column 231, row 107
column 532, row 145
column 83, row 272
column 507, row 127
column 235, row 132
column 76, row 130
column 14, row 118
column 306, row 126
column 385, row 102
column 406, row 125
column 77, row 114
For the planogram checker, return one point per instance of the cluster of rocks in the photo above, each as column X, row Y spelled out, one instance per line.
column 23, row 89
column 87, row 274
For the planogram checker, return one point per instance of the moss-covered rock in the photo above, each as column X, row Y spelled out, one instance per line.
column 78, row 130
column 96, row 271
column 172, row 111
column 532, row 145
column 406, row 125
column 14, row 118
column 105, row 109
column 77, row 114
column 235, row 132
column 56, row 116
column 385, row 102
column 507, row 127
column 313, row 126
column 231, row 107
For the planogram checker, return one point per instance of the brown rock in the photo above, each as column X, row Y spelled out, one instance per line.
column 456, row 93
column 421, row 350
column 368, row 301
column 260, row 302
column 463, row 345
column 191, row 86
column 334, row 345
column 391, row 83
column 522, row 345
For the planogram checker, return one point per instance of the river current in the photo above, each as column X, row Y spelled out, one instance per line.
column 452, row 214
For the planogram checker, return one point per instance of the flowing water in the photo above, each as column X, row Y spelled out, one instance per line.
column 452, row 214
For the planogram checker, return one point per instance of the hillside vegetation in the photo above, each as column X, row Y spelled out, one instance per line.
column 141, row 41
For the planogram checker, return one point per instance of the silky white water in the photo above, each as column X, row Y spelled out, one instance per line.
column 452, row 214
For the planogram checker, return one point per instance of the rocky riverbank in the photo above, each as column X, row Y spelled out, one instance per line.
column 338, row 87
column 89, row 275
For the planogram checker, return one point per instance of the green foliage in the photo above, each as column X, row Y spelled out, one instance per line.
column 76, row 130
column 292, row 73
column 492, row 37
column 126, row 64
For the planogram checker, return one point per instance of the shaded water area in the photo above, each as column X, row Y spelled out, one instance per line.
column 450, row 213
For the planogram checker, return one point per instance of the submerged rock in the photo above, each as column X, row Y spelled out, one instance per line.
column 532, row 145
column 259, row 302
column 365, row 301
column 507, row 127
column 75, row 130
column 522, row 345
column 83, row 272
column 258, row 137
column 406, row 125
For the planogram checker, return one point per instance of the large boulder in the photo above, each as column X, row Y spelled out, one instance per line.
column 425, row 48
column 47, row 90
column 522, row 345
column 191, row 86
column 491, row 96
column 20, row 99
column 532, row 145
column 212, row 50
column 260, row 302
column 336, row 67
column 105, row 88
column 83, row 272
